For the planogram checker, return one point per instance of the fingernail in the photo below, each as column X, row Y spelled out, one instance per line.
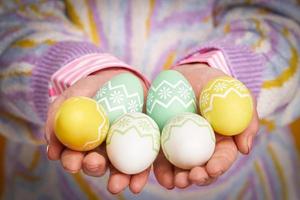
column 219, row 173
column 170, row 188
column 71, row 171
column 202, row 181
column 47, row 137
column 250, row 140
column 47, row 148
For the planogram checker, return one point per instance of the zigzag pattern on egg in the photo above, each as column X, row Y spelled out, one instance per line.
column 144, row 128
column 179, row 121
column 220, row 86
column 101, row 133
column 102, row 98
column 168, row 95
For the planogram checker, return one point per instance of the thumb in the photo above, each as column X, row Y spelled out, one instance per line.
column 84, row 87
column 244, row 141
column 54, row 147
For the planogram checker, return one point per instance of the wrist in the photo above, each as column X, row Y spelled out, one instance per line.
column 109, row 73
column 198, row 74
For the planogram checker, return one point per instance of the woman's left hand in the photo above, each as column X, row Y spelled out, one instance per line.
column 226, row 149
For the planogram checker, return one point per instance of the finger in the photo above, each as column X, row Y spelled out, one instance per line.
column 223, row 157
column 54, row 148
column 95, row 162
column 209, row 181
column 138, row 181
column 71, row 160
column 181, row 178
column 117, row 181
column 198, row 175
column 163, row 171
column 244, row 140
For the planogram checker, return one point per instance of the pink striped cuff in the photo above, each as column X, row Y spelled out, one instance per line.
column 213, row 58
column 242, row 62
column 83, row 66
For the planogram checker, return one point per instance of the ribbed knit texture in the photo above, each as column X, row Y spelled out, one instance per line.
column 244, row 64
column 57, row 56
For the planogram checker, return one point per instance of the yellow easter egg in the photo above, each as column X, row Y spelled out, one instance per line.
column 227, row 105
column 81, row 124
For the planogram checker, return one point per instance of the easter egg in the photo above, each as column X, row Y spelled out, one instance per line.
column 133, row 143
column 227, row 105
column 122, row 94
column 188, row 140
column 81, row 124
column 169, row 95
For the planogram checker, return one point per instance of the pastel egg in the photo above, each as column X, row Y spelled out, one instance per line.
column 81, row 124
column 188, row 140
column 133, row 143
column 170, row 94
column 227, row 104
column 122, row 94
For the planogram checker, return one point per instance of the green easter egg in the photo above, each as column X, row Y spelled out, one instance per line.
column 122, row 94
column 170, row 94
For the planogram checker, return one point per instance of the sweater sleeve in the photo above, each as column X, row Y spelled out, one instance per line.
column 260, row 44
column 37, row 39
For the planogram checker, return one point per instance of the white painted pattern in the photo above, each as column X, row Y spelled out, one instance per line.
column 174, row 98
column 99, row 135
column 223, row 96
column 205, row 98
column 143, row 124
column 120, row 107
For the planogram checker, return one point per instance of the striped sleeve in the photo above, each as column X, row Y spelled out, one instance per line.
column 214, row 58
column 83, row 66
column 234, row 60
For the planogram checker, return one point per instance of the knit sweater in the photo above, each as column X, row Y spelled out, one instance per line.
column 260, row 41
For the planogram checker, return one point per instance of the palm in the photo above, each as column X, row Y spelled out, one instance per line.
column 223, row 157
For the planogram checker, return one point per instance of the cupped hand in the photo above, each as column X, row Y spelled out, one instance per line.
column 226, row 149
column 95, row 162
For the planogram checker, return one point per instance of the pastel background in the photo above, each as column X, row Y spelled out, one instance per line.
column 151, row 36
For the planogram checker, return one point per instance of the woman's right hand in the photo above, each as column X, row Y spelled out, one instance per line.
column 95, row 162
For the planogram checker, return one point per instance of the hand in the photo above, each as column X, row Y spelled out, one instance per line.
column 226, row 149
column 95, row 162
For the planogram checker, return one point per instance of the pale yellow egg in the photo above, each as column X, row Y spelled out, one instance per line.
column 81, row 124
column 227, row 105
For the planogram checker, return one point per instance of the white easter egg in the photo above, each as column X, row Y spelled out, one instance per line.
column 188, row 140
column 169, row 95
column 122, row 94
column 133, row 143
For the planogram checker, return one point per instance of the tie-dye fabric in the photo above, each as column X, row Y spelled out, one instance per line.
column 38, row 37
